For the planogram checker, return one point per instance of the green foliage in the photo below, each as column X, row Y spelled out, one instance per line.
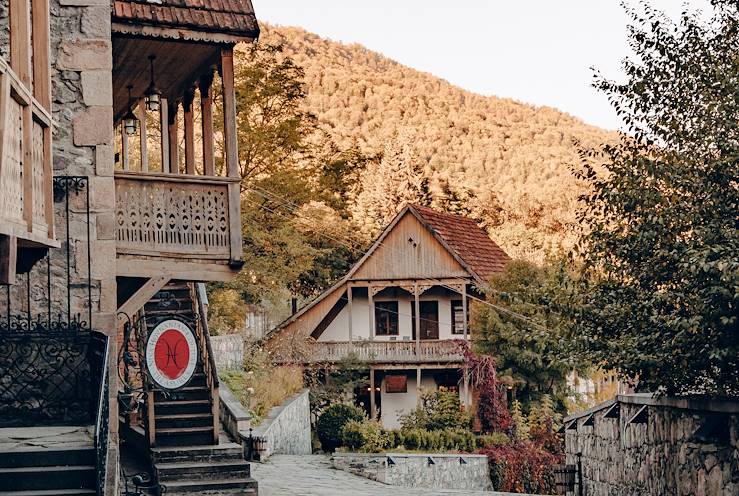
column 348, row 375
column 520, row 422
column 439, row 409
column 367, row 436
column 521, row 467
column 660, row 242
column 534, row 354
column 226, row 312
column 332, row 421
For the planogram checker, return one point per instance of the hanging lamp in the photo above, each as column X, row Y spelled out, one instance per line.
column 152, row 97
column 130, row 121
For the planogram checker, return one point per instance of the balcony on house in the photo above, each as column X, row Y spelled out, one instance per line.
column 385, row 352
column 177, row 182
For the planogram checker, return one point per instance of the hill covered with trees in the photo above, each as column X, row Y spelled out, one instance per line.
column 505, row 160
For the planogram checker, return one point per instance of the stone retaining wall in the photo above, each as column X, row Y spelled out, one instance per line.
column 228, row 351
column 435, row 471
column 675, row 447
column 286, row 428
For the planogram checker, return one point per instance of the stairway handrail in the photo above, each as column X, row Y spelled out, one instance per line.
column 102, row 422
column 206, row 338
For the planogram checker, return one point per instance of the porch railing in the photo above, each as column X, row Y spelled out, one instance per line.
column 102, row 420
column 26, row 202
column 384, row 351
column 178, row 216
column 209, row 363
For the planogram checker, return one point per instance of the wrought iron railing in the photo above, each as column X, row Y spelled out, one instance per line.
column 102, row 421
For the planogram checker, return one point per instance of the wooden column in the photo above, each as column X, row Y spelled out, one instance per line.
column 371, row 304
column 124, row 148
column 417, row 306
column 418, row 385
column 143, row 137
column 373, row 409
column 232, row 153
column 206, row 111
column 163, row 128
column 189, row 133
column 466, row 387
column 41, row 78
column 27, row 146
column 464, row 311
column 349, row 309
column 174, row 146
column 20, row 39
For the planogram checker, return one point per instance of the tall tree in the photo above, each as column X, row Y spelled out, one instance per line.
column 386, row 187
column 661, row 241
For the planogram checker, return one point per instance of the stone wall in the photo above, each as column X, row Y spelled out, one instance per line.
column 228, row 351
column 434, row 471
column 4, row 30
column 286, row 428
column 675, row 447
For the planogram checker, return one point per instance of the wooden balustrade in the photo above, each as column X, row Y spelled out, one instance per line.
column 26, row 203
column 384, row 351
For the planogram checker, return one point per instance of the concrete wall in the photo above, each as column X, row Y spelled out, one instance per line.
column 338, row 330
column 684, row 447
column 444, row 472
column 228, row 351
column 286, row 428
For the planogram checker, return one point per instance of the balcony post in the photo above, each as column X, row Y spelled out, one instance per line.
column 174, row 146
column 20, row 39
column 124, row 148
column 28, row 192
column 349, row 309
column 163, row 123
column 464, row 310
column 417, row 306
column 418, row 386
column 371, row 304
column 373, row 409
column 142, row 137
column 41, row 78
column 232, row 152
column 206, row 112
column 189, row 132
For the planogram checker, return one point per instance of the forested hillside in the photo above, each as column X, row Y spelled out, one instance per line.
column 513, row 156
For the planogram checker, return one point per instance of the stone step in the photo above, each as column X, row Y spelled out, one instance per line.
column 221, row 486
column 203, row 453
column 184, row 420
column 40, row 457
column 48, row 478
column 235, row 469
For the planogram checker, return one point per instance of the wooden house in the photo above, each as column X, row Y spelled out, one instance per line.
column 403, row 308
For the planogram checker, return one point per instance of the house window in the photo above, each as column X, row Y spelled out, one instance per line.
column 458, row 317
column 386, row 318
column 429, row 320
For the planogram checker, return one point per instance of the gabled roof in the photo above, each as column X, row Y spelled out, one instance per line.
column 460, row 235
column 234, row 17
column 480, row 254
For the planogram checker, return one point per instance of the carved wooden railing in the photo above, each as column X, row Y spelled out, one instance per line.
column 178, row 216
column 384, row 351
column 26, row 203
column 206, row 354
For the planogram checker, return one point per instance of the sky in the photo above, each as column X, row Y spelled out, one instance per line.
column 535, row 51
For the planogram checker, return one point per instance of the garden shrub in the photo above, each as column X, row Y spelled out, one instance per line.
column 331, row 422
column 367, row 436
column 521, row 467
column 439, row 409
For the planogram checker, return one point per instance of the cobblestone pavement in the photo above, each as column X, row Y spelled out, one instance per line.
column 313, row 475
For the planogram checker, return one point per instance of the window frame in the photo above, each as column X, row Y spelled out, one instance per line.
column 389, row 310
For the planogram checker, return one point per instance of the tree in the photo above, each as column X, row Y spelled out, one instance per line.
column 660, row 242
column 386, row 187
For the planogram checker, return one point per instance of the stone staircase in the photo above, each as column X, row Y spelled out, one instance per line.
column 61, row 469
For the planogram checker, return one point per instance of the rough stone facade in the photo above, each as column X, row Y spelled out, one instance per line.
column 286, row 428
column 228, row 351
column 434, row 471
column 676, row 447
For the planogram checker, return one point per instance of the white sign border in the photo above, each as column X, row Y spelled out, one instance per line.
column 154, row 372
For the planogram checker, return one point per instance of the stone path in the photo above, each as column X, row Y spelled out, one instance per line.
column 12, row 438
column 313, row 475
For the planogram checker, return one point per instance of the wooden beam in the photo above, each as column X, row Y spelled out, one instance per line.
column 349, row 298
column 124, row 148
column 418, row 384
column 143, row 137
column 371, row 312
column 20, row 39
column 417, row 306
column 189, row 133
column 41, row 78
column 373, row 410
column 27, row 146
column 145, row 293
column 177, row 269
column 206, row 112
column 229, row 112
column 464, row 311
column 8, row 259
column 164, row 131
column 174, row 145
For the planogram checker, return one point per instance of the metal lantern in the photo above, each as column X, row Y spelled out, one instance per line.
column 130, row 121
column 152, row 97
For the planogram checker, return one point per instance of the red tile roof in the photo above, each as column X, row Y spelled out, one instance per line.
column 462, row 234
column 234, row 17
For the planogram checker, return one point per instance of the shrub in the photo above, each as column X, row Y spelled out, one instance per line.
column 367, row 436
column 521, row 467
column 331, row 422
column 439, row 409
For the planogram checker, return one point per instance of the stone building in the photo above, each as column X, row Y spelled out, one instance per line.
column 402, row 308
column 113, row 201
column 637, row 444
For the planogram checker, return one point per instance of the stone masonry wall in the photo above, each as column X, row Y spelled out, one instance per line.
column 461, row 471
column 228, row 351
column 673, row 453
column 287, row 428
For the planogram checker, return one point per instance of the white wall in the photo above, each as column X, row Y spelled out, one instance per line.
column 338, row 330
column 396, row 404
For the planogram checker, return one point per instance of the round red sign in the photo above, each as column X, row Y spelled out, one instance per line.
column 171, row 354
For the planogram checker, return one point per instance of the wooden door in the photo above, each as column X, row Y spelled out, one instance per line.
column 429, row 320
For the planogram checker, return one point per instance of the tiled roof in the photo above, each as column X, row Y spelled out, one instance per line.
column 224, row 16
column 467, row 239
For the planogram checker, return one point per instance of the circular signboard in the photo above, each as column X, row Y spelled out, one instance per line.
column 171, row 354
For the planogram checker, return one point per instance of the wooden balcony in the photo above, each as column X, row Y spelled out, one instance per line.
column 382, row 352
column 26, row 202
column 183, row 225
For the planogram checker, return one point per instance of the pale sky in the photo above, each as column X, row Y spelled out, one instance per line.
column 536, row 51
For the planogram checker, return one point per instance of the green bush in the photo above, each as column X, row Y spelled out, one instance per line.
column 439, row 409
column 367, row 436
column 331, row 422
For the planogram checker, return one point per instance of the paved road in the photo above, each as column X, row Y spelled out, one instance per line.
column 313, row 475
